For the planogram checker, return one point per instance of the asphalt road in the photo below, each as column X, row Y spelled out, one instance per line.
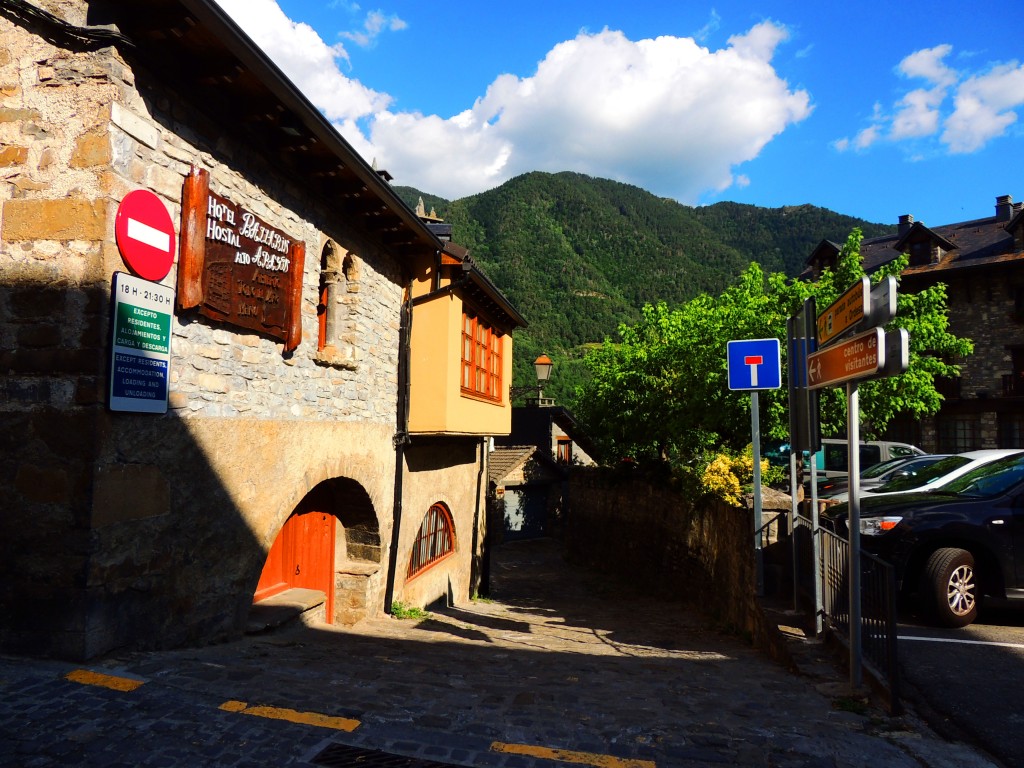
column 970, row 681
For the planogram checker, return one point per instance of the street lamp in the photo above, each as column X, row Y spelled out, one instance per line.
column 542, row 365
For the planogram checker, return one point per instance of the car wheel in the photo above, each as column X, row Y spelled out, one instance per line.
column 950, row 587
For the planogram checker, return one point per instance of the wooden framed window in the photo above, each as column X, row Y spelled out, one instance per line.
column 481, row 359
column 434, row 541
column 564, row 450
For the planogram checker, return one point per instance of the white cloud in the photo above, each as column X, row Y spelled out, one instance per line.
column 665, row 114
column 375, row 23
column 983, row 107
column 917, row 114
column 927, row 63
column 306, row 59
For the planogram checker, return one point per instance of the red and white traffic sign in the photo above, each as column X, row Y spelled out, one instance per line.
column 145, row 234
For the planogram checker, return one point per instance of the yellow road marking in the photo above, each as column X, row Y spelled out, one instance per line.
column 86, row 677
column 571, row 756
column 292, row 716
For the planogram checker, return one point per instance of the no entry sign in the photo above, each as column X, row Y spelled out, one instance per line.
column 145, row 234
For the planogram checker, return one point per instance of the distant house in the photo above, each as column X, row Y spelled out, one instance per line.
column 530, row 470
column 982, row 263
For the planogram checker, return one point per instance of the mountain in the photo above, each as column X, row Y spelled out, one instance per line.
column 578, row 255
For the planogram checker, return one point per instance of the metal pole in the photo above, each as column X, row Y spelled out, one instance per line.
column 853, row 430
column 793, row 490
column 819, row 606
column 755, row 430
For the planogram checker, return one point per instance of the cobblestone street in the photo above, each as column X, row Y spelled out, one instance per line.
column 561, row 668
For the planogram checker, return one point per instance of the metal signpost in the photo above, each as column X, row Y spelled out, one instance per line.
column 753, row 365
column 804, row 435
column 869, row 354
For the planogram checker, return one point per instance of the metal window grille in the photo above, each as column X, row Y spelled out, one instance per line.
column 434, row 541
column 1011, row 430
column 956, row 435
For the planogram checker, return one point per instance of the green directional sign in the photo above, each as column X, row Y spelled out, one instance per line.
column 140, row 359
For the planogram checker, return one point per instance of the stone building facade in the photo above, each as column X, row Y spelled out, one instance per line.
column 981, row 263
column 287, row 393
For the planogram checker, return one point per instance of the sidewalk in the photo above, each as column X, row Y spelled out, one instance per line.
column 562, row 668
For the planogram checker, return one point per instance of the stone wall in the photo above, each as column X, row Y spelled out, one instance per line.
column 650, row 535
column 983, row 308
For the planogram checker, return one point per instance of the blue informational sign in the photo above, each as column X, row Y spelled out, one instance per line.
column 754, row 364
column 141, row 355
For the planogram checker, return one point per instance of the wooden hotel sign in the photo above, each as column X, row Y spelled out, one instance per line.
column 235, row 267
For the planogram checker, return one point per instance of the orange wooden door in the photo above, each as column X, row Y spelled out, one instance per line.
column 302, row 556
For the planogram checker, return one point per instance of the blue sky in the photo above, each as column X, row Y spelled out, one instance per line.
column 869, row 109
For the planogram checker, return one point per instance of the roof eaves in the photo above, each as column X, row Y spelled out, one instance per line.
column 238, row 44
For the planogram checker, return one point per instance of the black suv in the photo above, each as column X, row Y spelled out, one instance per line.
column 953, row 544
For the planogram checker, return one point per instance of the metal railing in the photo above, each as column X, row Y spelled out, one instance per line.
column 878, row 609
column 827, row 595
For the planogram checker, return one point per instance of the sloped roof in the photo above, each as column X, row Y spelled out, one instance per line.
column 196, row 48
column 503, row 461
column 967, row 244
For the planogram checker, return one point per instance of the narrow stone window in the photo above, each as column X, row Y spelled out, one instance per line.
column 335, row 304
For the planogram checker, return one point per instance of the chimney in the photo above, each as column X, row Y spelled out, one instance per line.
column 906, row 222
column 1004, row 208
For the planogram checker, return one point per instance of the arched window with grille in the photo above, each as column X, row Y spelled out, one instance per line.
column 435, row 539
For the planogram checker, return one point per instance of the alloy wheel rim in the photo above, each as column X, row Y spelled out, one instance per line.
column 960, row 593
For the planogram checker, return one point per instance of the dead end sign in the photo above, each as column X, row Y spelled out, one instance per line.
column 754, row 364
column 145, row 235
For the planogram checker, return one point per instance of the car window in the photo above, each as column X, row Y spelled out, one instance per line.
column 990, row 479
column 835, row 457
column 880, row 469
column 870, row 455
column 900, row 450
column 925, row 476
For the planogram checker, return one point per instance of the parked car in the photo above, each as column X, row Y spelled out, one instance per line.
column 833, row 458
column 950, row 544
column 941, row 472
column 880, row 474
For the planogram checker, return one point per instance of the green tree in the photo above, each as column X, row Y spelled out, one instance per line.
column 661, row 390
column 934, row 350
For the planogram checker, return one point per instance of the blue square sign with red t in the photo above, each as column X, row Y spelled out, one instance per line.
column 755, row 364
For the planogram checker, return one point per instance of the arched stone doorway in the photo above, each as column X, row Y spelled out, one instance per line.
column 329, row 544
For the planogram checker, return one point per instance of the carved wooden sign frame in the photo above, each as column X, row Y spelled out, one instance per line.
column 235, row 267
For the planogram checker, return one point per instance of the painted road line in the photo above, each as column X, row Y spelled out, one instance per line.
column 87, row 677
column 292, row 716
column 1019, row 646
column 571, row 756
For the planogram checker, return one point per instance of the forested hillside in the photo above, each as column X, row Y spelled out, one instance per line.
column 579, row 255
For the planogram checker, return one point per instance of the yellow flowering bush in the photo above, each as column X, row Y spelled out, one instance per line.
column 725, row 476
column 720, row 480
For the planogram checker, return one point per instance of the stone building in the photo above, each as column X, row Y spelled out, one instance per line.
column 235, row 365
column 982, row 264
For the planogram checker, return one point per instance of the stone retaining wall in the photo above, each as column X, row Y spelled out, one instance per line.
column 651, row 535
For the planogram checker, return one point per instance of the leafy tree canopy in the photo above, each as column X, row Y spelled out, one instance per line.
column 661, row 390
